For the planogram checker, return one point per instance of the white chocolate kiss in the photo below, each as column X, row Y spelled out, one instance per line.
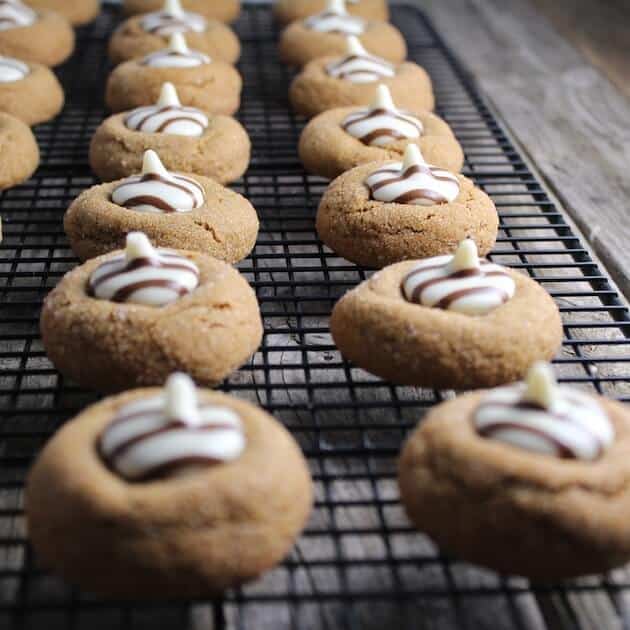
column 177, row 55
column 412, row 182
column 382, row 123
column 158, row 191
column 15, row 14
column 461, row 283
column 171, row 434
column 543, row 417
column 359, row 66
column 335, row 19
column 173, row 19
column 144, row 275
column 168, row 116
column 12, row 70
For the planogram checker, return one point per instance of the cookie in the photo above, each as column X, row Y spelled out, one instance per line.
column 187, row 139
column 19, row 151
column 450, row 322
column 77, row 13
column 132, row 317
column 175, row 210
column 34, row 36
column 29, row 91
column 209, row 84
column 225, row 492
column 325, row 34
column 332, row 82
column 144, row 34
column 286, row 11
column 527, row 479
column 381, row 213
column 222, row 10
column 340, row 139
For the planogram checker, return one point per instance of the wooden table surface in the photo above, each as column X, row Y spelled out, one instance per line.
column 557, row 72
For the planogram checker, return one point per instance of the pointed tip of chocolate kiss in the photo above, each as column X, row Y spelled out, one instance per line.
column 336, row 6
column 383, row 99
column 138, row 245
column 181, row 398
column 152, row 165
column 541, row 384
column 177, row 43
column 354, row 46
column 466, row 256
column 173, row 7
column 168, row 96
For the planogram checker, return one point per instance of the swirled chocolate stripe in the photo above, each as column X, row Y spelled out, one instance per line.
column 568, row 434
column 361, row 69
column 165, row 194
column 379, row 127
column 411, row 191
column 335, row 23
column 155, row 281
column 186, row 121
column 174, row 59
column 164, row 24
column 142, row 443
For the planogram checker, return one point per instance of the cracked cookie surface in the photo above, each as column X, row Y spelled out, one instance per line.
column 514, row 511
column 225, row 226
column 109, row 346
column 376, row 328
column 376, row 234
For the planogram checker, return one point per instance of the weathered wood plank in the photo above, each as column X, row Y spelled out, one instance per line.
column 567, row 116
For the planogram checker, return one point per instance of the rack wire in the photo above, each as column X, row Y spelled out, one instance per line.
column 359, row 564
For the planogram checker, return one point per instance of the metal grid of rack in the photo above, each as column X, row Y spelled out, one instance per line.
column 359, row 564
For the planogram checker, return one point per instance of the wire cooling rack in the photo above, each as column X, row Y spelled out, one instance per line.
column 358, row 565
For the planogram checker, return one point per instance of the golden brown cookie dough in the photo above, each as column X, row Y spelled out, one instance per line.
column 298, row 44
column 513, row 510
column 222, row 10
column 221, row 153
column 130, row 41
column 214, row 87
column 35, row 98
column 185, row 536
column 49, row 40
column 225, row 226
column 326, row 149
column 78, row 12
column 375, row 234
column 314, row 91
column 108, row 346
column 18, row 150
column 376, row 328
column 287, row 11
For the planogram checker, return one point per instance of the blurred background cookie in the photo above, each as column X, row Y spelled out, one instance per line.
column 287, row 11
column 139, row 81
column 143, row 34
column 187, row 139
column 325, row 34
column 330, row 82
column 41, row 36
column 29, row 91
column 222, row 10
column 19, row 153
column 340, row 139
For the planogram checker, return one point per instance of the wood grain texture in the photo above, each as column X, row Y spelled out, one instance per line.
column 565, row 113
column 599, row 30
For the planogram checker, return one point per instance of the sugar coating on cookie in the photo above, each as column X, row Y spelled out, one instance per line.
column 157, row 190
column 359, row 66
column 144, row 275
column 168, row 116
column 412, row 181
column 336, row 19
column 173, row 19
column 463, row 283
column 12, row 70
column 176, row 55
column 382, row 123
column 545, row 418
column 170, row 434
column 15, row 14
